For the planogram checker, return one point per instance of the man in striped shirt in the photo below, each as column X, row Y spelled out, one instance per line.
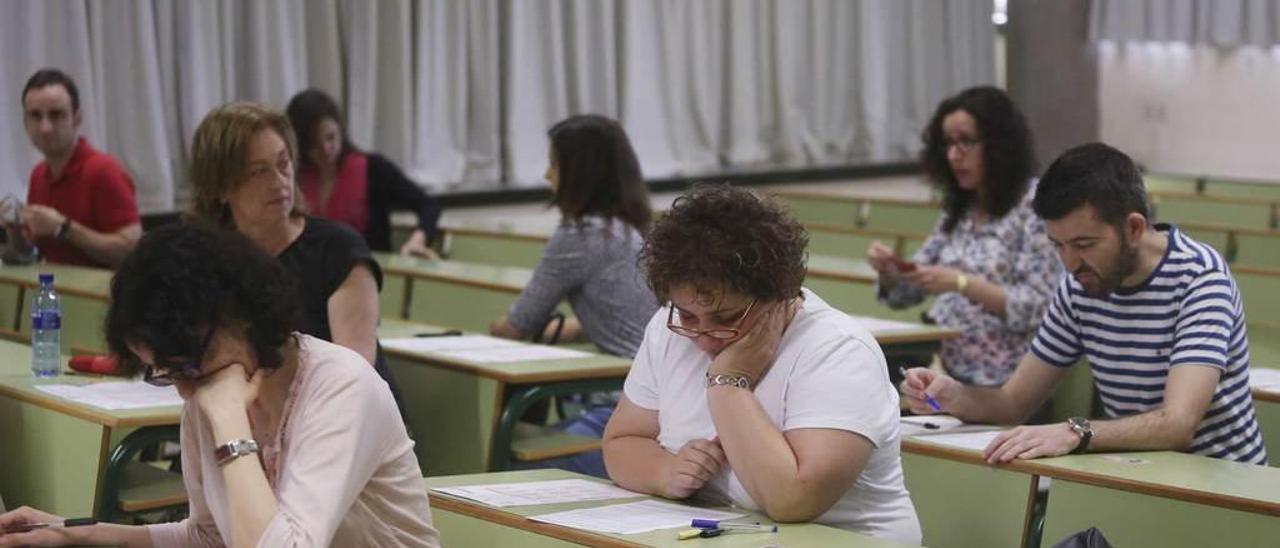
column 1155, row 313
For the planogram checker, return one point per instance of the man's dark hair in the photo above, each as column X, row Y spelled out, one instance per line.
column 52, row 77
column 1093, row 174
column 1008, row 153
column 599, row 172
column 183, row 281
column 719, row 237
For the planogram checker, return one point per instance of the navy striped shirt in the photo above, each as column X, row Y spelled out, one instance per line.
column 1188, row 312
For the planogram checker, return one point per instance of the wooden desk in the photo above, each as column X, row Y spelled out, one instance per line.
column 507, row 242
column 456, row 408
column 84, row 294
column 55, row 450
column 464, row 295
column 467, row 523
column 1155, row 498
column 963, row 502
column 1162, row 499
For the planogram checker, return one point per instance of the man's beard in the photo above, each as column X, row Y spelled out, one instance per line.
column 1105, row 283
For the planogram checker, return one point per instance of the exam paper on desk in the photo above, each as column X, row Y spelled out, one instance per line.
column 539, row 492
column 633, row 518
column 115, row 395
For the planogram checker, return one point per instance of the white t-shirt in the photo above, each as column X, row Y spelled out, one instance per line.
column 829, row 373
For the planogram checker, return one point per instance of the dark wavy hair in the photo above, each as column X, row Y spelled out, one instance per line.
column 1092, row 174
column 52, row 77
column 719, row 237
column 305, row 111
column 599, row 172
column 1008, row 153
column 184, row 280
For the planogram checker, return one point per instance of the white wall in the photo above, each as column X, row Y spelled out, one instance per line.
column 1193, row 110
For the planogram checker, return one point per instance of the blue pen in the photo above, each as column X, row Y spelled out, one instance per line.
column 927, row 398
column 711, row 524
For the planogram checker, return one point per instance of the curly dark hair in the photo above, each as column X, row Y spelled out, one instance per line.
column 1008, row 153
column 719, row 237
column 599, row 172
column 184, row 280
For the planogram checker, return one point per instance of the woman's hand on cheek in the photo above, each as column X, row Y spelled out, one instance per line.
column 228, row 392
column 752, row 354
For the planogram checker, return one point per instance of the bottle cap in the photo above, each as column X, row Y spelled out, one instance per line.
column 46, row 277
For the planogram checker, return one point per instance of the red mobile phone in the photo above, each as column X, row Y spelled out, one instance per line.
column 904, row 266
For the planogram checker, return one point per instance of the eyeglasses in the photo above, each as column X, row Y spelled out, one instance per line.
column 964, row 144
column 188, row 371
column 722, row 333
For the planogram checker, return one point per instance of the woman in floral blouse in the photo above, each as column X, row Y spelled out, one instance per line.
column 988, row 260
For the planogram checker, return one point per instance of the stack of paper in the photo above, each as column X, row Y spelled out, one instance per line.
column 539, row 492
column 1264, row 379
column 115, row 395
column 634, row 517
column 483, row 349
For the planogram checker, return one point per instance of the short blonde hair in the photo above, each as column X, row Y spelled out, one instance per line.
column 220, row 157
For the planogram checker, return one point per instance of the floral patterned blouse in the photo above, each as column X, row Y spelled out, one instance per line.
column 1012, row 251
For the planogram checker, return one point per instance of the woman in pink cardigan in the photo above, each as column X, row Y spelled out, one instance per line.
column 287, row 440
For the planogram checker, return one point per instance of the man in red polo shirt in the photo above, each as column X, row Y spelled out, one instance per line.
column 80, row 204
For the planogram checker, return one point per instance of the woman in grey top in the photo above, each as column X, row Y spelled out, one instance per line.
column 592, row 257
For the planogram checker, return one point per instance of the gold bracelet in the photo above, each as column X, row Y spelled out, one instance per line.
column 962, row 282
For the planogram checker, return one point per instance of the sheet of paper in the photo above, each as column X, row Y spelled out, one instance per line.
column 974, row 441
column 877, row 325
column 520, row 353
column 448, row 343
column 539, row 492
column 634, row 517
column 1261, row 377
column 926, row 424
column 115, row 395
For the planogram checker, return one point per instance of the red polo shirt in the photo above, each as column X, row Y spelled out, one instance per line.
column 94, row 191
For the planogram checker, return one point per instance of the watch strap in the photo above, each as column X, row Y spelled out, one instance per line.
column 233, row 450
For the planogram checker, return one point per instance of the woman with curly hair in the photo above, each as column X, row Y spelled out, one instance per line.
column 287, row 440
column 988, row 261
column 748, row 387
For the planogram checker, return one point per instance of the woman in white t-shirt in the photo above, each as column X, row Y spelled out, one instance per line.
column 750, row 389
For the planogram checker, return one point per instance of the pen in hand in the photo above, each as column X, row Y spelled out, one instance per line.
column 927, row 398
column 28, row 527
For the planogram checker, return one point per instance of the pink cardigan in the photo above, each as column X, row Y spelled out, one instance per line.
column 346, row 474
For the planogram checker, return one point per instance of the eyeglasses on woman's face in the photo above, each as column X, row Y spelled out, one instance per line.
column 722, row 333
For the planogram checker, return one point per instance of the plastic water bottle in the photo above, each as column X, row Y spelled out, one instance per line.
column 46, row 330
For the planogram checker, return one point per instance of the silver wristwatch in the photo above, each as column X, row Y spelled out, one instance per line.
column 233, row 450
column 740, row 381
column 1082, row 428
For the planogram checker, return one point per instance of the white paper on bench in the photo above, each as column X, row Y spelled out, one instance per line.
column 976, row 441
column 1261, row 377
column 539, row 492
column 634, row 517
column 877, row 325
column 447, row 343
column 115, row 395
column 521, row 353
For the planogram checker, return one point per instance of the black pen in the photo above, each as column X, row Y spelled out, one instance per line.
column 28, row 527
column 449, row 333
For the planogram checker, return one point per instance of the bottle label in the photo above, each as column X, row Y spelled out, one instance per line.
column 48, row 319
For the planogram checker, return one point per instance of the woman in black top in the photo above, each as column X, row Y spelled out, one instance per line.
column 342, row 183
column 242, row 159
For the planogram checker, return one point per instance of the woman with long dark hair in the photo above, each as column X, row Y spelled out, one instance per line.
column 988, row 261
column 591, row 258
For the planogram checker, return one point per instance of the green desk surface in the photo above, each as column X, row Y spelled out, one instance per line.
column 72, row 280
column 505, row 278
column 523, row 228
column 468, row 523
column 541, row 371
column 1264, row 345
